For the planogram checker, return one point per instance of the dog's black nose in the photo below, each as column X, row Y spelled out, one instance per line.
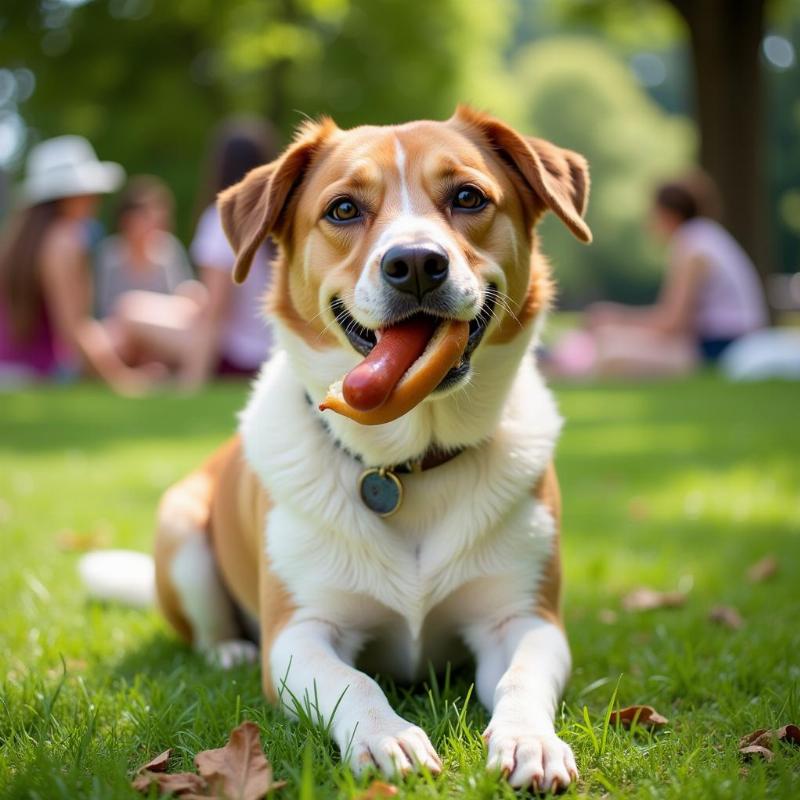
column 415, row 268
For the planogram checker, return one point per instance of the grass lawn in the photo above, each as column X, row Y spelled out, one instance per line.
column 675, row 486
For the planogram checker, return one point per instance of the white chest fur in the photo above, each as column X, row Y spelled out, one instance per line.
column 468, row 542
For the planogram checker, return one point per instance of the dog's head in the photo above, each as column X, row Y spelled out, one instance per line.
column 378, row 224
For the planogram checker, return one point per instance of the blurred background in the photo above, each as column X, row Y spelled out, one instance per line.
column 684, row 486
column 643, row 88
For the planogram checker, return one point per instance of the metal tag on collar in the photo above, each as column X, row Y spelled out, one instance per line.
column 381, row 490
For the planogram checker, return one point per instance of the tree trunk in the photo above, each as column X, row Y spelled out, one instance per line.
column 725, row 39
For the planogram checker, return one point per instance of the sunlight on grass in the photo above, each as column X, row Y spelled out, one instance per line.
column 670, row 485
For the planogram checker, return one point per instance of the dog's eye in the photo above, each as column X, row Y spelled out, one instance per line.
column 469, row 198
column 342, row 210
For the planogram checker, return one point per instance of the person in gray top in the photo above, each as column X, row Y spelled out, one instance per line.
column 143, row 255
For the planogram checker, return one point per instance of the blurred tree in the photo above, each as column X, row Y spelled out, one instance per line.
column 783, row 126
column 576, row 93
column 729, row 104
column 725, row 37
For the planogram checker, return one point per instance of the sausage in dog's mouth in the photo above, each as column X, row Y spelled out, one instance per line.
column 363, row 339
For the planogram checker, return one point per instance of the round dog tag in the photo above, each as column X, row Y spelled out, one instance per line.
column 381, row 491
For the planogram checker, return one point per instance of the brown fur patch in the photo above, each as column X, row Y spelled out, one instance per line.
column 225, row 501
column 184, row 512
column 548, row 593
column 239, row 533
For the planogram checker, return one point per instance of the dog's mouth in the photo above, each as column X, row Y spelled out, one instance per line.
column 363, row 339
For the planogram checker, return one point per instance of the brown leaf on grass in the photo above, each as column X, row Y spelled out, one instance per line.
column 377, row 789
column 755, row 737
column 239, row 770
column 645, row 599
column 80, row 542
column 643, row 716
column 159, row 763
column 181, row 784
column 754, row 750
column 761, row 742
column 727, row 616
column 789, row 733
column 763, row 570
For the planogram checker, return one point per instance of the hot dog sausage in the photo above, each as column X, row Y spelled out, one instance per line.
column 369, row 384
column 425, row 374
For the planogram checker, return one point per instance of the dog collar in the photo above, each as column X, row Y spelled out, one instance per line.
column 380, row 488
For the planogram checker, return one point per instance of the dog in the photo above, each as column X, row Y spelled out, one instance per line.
column 456, row 551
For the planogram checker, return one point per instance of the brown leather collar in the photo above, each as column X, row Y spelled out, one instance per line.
column 433, row 457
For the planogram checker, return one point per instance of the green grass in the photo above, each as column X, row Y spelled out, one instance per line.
column 670, row 485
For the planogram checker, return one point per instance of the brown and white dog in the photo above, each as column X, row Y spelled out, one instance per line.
column 375, row 225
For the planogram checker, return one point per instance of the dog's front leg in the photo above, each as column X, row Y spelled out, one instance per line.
column 523, row 665
column 311, row 663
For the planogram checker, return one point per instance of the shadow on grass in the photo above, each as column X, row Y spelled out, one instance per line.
column 89, row 417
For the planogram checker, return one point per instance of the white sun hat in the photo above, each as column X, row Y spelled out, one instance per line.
column 67, row 166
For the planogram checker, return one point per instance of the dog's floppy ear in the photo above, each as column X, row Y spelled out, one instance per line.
column 560, row 178
column 254, row 208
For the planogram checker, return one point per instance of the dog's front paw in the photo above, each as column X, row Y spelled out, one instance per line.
column 540, row 761
column 395, row 749
column 231, row 653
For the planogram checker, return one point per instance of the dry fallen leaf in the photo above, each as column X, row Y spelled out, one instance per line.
column 182, row 784
column 644, row 716
column 645, row 599
column 727, row 616
column 789, row 733
column 239, row 770
column 756, row 750
column 761, row 742
column 376, row 790
column 763, row 570
column 159, row 763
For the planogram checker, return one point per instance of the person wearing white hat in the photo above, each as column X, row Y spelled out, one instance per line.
column 46, row 325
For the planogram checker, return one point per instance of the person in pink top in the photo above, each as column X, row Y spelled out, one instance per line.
column 240, row 339
column 711, row 296
column 46, row 290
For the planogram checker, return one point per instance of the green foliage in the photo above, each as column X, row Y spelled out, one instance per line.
column 576, row 93
column 146, row 81
column 664, row 485
column 628, row 24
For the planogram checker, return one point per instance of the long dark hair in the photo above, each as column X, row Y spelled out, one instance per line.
column 236, row 147
column 20, row 285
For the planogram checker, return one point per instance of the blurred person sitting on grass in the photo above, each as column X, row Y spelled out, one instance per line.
column 47, row 330
column 224, row 332
column 710, row 297
column 146, row 293
column 142, row 255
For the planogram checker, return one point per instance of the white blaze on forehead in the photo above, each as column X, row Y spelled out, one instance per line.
column 408, row 227
column 400, row 160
